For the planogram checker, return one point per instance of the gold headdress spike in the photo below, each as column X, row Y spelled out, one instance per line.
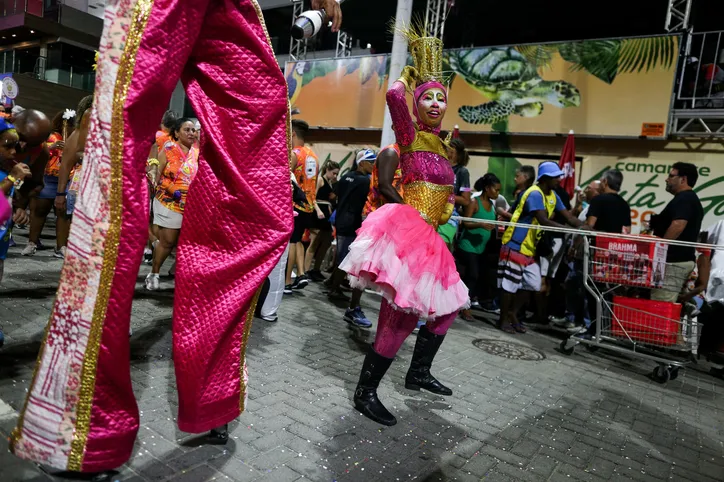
column 426, row 52
column 95, row 66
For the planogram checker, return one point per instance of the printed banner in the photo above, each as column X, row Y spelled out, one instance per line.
column 610, row 87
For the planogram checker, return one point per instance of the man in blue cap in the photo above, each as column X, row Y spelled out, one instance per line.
column 352, row 191
column 519, row 268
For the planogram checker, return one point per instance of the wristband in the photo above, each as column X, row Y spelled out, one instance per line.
column 11, row 179
column 152, row 162
column 61, row 194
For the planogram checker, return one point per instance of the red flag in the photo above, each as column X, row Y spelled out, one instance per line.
column 568, row 165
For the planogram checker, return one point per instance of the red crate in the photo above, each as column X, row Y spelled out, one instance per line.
column 647, row 321
column 629, row 262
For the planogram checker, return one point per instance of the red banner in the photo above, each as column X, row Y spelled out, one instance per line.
column 568, row 165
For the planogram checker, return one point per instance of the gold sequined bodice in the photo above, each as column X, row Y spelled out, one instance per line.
column 428, row 198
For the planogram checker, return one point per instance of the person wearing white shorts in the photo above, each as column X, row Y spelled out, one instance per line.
column 513, row 276
column 517, row 268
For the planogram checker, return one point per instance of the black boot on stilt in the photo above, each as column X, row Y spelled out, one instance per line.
column 219, row 435
column 418, row 376
column 365, row 396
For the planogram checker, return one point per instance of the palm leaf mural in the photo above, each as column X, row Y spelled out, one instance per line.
column 639, row 54
column 599, row 58
column 606, row 59
column 539, row 55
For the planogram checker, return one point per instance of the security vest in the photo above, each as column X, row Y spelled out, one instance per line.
column 527, row 247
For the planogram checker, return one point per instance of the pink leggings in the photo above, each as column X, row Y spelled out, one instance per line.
column 395, row 326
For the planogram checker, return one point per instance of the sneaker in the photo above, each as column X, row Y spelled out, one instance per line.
column 153, row 282
column 420, row 323
column 147, row 256
column 30, row 249
column 300, row 282
column 559, row 321
column 357, row 317
column 270, row 319
column 12, row 243
column 60, row 253
column 576, row 329
column 475, row 304
column 288, row 290
column 316, row 276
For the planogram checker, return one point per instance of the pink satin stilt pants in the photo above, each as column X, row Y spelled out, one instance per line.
column 81, row 413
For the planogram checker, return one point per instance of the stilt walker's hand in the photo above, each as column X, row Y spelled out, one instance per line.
column 333, row 11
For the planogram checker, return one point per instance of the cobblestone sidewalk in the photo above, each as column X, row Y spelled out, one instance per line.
column 521, row 411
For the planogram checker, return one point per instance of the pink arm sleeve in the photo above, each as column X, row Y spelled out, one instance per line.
column 401, row 120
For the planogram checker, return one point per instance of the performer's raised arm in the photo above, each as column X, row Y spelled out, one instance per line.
column 402, row 123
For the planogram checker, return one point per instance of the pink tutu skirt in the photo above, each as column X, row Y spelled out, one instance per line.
column 399, row 253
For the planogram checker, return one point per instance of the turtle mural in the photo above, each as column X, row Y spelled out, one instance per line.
column 511, row 83
column 510, row 79
column 513, row 86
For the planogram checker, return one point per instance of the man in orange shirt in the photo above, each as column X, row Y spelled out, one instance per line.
column 305, row 169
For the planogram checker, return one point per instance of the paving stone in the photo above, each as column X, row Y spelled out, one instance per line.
column 480, row 464
column 201, row 473
column 271, row 459
column 234, row 468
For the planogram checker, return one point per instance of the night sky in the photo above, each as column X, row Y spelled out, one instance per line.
column 496, row 22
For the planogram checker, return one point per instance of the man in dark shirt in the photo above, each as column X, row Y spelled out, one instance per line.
column 608, row 211
column 352, row 191
column 680, row 220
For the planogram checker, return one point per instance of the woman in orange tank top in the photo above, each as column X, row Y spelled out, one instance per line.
column 178, row 165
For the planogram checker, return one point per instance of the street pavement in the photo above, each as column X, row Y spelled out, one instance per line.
column 521, row 411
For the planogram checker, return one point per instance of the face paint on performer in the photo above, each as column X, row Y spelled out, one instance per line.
column 431, row 107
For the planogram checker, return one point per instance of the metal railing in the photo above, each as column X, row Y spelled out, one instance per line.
column 701, row 80
column 699, row 95
column 57, row 73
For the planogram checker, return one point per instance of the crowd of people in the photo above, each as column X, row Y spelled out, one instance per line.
column 513, row 273
column 510, row 272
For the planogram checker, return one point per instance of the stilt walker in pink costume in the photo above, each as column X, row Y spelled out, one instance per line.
column 80, row 414
column 398, row 248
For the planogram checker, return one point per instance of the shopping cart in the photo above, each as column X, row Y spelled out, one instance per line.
column 620, row 275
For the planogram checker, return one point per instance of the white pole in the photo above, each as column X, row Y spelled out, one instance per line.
column 397, row 62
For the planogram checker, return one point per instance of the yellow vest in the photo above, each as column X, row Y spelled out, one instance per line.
column 527, row 247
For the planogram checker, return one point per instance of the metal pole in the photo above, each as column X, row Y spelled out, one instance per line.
column 397, row 62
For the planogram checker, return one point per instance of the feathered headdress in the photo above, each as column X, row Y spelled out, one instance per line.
column 426, row 52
